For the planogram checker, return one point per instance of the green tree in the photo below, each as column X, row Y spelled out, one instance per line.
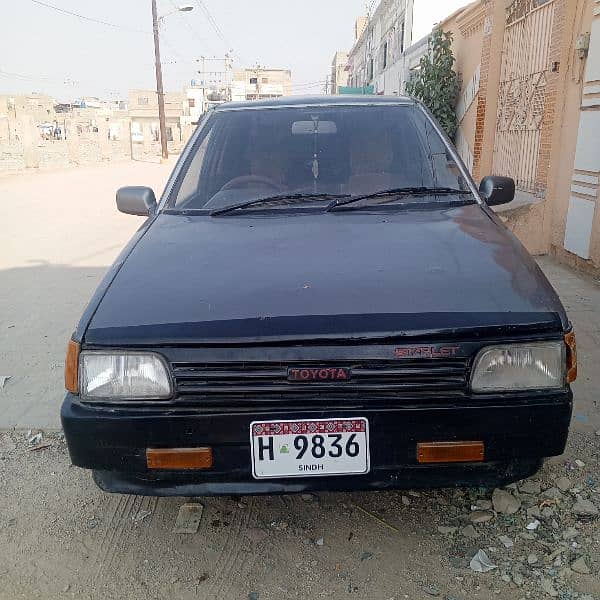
column 436, row 83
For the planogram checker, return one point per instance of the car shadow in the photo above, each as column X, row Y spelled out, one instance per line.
column 40, row 305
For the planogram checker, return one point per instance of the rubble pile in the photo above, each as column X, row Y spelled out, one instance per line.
column 537, row 536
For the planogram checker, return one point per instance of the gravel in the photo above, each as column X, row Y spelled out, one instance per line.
column 564, row 484
column 580, row 566
column 299, row 543
column 505, row 503
column 585, row 508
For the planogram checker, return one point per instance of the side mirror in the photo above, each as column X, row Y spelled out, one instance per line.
column 136, row 200
column 497, row 190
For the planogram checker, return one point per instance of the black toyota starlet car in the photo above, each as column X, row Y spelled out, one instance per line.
column 322, row 299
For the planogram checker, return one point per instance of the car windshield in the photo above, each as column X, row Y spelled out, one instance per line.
column 250, row 154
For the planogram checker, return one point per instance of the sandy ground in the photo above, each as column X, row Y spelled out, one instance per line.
column 59, row 231
column 60, row 537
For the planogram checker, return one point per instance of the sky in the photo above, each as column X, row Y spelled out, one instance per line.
column 44, row 50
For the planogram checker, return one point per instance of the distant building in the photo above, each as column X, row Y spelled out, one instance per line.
column 39, row 106
column 199, row 97
column 15, row 107
column 143, row 111
column 376, row 59
column 258, row 83
column 339, row 72
column 88, row 102
column 194, row 103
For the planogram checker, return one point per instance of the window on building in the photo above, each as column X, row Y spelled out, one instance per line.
column 191, row 102
column 265, row 80
column 401, row 40
column 253, row 80
column 385, row 55
column 370, row 70
column 143, row 101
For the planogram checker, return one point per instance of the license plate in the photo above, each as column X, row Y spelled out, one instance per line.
column 309, row 448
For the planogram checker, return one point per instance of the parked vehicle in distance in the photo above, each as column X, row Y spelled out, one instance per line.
column 321, row 300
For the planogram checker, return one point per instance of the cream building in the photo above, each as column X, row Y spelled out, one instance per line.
column 259, row 82
column 339, row 72
column 375, row 60
column 143, row 111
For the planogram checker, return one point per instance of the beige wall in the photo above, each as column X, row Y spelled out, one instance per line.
column 540, row 221
column 39, row 106
column 466, row 26
column 144, row 104
column 574, row 94
column 339, row 75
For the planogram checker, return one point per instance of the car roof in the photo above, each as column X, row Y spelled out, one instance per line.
column 291, row 101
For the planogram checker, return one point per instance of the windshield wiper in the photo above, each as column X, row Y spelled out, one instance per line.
column 401, row 191
column 276, row 198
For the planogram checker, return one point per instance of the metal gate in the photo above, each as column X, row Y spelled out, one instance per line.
column 522, row 93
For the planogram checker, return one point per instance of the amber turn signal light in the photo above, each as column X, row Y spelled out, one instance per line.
column 571, row 356
column 72, row 367
column 179, row 459
column 449, row 452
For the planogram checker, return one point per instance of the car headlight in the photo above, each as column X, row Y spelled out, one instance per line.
column 123, row 376
column 537, row 365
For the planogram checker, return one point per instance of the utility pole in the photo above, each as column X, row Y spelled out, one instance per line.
column 159, row 85
column 257, row 73
column 228, row 73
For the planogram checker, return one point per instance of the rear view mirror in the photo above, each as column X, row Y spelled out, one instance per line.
column 312, row 127
column 497, row 190
column 136, row 200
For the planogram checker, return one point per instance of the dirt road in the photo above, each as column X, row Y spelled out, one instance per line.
column 60, row 537
column 59, row 232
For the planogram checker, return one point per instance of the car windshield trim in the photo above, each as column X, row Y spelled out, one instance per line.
column 398, row 192
column 276, row 198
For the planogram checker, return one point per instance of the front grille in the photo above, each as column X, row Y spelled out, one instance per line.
column 238, row 382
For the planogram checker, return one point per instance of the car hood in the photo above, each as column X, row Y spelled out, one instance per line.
column 284, row 275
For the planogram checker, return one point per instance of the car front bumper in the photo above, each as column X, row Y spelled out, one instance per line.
column 518, row 432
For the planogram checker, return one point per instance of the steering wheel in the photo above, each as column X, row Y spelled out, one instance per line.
column 246, row 180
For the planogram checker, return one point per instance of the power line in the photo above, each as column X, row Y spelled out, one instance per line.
column 308, row 85
column 86, row 18
column 211, row 20
column 108, row 24
column 23, row 77
column 310, row 82
column 213, row 23
column 65, row 81
column 164, row 40
column 191, row 29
